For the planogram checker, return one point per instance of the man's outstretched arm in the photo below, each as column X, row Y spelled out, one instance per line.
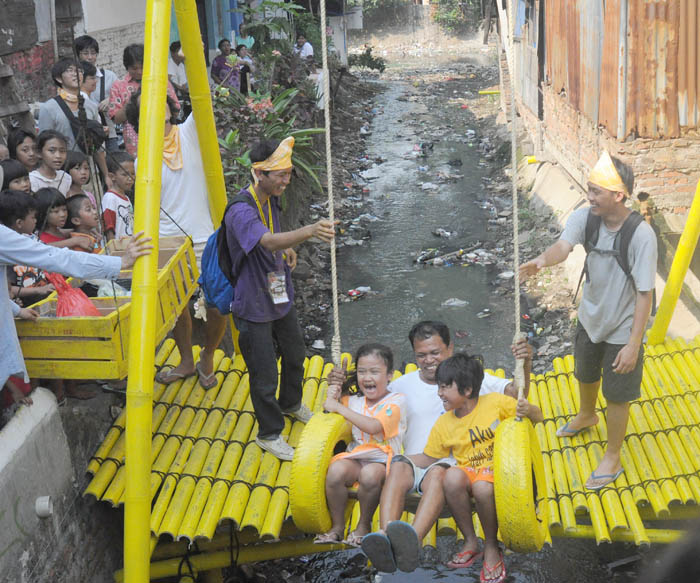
column 551, row 256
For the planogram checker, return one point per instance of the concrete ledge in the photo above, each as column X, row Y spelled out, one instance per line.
column 551, row 187
column 34, row 461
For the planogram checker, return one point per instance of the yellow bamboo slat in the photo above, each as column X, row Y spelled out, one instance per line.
column 208, row 473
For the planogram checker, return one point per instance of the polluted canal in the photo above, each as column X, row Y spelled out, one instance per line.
column 435, row 183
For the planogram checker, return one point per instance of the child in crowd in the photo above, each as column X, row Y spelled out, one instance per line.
column 78, row 167
column 52, row 148
column 85, row 222
column 379, row 424
column 51, row 215
column 117, row 210
column 466, row 431
column 18, row 212
column 15, row 176
column 22, row 147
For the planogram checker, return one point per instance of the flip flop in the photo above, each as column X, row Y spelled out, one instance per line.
column 405, row 544
column 609, row 479
column 206, row 381
column 471, row 556
column 167, row 375
column 328, row 538
column 571, row 432
column 377, row 547
column 487, row 573
column 354, row 540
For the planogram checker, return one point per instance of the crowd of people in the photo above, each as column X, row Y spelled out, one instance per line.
column 430, row 431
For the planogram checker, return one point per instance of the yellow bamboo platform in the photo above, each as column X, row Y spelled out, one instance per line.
column 208, row 474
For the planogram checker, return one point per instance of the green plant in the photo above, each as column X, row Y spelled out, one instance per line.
column 244, row 120
column 457, row 15
column 367, row 60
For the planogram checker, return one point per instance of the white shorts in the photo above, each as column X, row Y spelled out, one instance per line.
column 198, row 249
column 420, row 473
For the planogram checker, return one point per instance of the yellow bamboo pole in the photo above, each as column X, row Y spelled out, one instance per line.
column 679, row 267
column 139, row 393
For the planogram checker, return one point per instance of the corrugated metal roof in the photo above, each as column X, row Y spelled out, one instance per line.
column 207, row 470
column 659, row 70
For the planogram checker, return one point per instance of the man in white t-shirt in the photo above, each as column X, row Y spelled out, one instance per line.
column 431, row 344
column 176, row 70
column 303, row 48
column 184, row 204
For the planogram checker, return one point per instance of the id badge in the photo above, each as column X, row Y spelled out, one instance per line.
column 277, row 285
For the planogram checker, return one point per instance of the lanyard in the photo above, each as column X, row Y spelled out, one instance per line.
column 270, row 225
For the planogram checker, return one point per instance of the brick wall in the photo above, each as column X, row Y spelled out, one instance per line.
column 665, row 168
column 31, row 68
column 112, row 43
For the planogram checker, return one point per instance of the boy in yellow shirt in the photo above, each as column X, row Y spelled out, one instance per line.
column 466, row 432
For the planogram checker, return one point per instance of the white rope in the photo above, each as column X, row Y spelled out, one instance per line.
column 519, row 375
column 335, row 343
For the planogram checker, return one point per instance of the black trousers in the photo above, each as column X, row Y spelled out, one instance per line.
column 260, row 343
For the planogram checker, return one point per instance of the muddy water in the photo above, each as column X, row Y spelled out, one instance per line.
column 407, row 292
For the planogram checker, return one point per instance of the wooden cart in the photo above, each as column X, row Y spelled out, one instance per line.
column 97, row 348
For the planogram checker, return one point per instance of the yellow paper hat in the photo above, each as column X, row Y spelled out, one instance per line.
column 605, row 175
column 280, row 159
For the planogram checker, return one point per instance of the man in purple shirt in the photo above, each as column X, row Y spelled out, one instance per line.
column 263, row 309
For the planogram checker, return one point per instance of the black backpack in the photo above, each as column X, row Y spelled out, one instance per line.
column 222, row 242
column 620, row 250
column 89, row 140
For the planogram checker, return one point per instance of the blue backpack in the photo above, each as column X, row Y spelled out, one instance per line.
column 216, row 277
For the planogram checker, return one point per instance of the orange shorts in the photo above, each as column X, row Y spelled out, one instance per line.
column 478, row 475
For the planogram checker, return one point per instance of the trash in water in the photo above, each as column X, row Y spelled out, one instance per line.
column 485, row 313
column 427, row 254
column 454, row 303
column 318, row 345
column 363, row 289
column 506, row 274
column 461, row 333
column 422, row 168
column 355, row 293
column 364, row 130
column 440, row 232
column 367, row 217
column 455, row 162
column 429, row 186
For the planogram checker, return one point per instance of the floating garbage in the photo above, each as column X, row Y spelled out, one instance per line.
column 359, row 291
column 318, row 345
column 444, row 233
column 454, row 303
column 485, row 313
column 427, row 254
column 506, row 274
column 429, row 186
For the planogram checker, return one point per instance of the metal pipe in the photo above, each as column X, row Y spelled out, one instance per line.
column 139, row 393
column 202, row 109
column 243, row 555
column 679, row 267
column 622, row 73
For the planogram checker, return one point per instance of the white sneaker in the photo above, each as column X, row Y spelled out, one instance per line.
column 303, row 413
column 277, row 447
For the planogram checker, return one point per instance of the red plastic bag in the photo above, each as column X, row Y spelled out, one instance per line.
column 71, row 301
